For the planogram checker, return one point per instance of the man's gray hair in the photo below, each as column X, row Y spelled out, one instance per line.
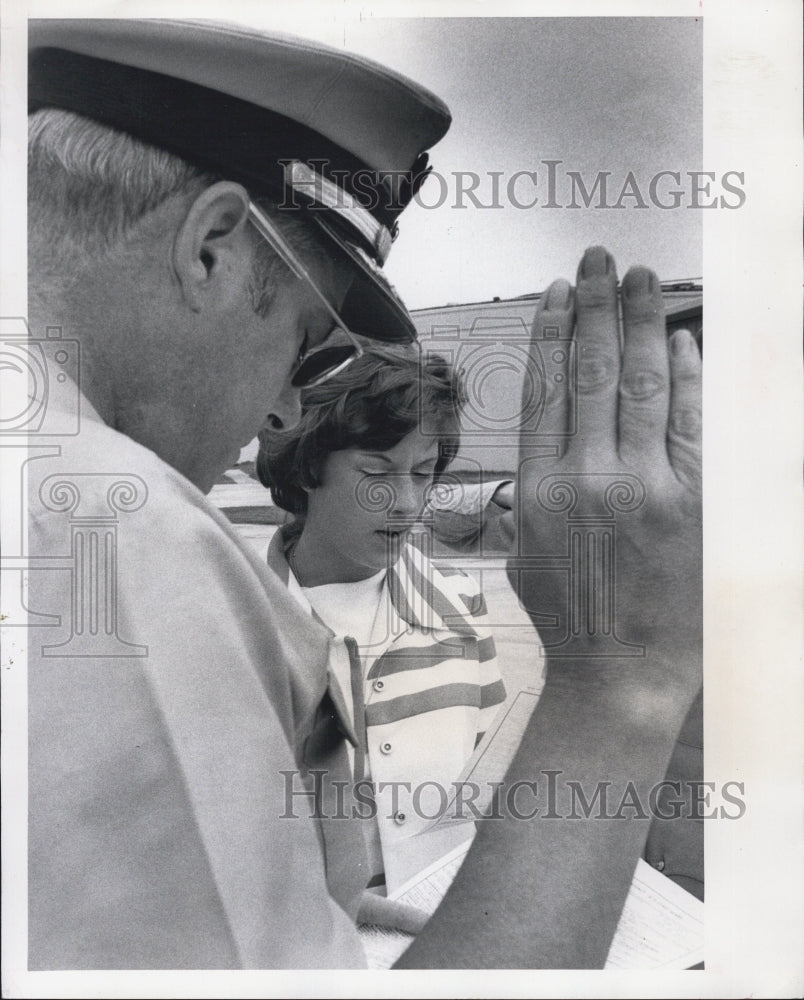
column 90, row 186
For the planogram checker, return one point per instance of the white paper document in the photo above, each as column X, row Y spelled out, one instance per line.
column 383, row 945
column 661, row 926
column 492, row 757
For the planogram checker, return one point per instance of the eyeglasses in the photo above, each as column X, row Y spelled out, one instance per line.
column 317, row 367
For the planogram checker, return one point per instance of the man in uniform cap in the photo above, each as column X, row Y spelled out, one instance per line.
column 207, row 203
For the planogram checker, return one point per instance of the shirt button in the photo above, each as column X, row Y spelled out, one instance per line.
column 385, row 748
column 659, row 866
column 399, row 818
column 379, row 685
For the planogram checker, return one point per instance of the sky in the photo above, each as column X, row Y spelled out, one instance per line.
column 598, row 94
column 616, row 94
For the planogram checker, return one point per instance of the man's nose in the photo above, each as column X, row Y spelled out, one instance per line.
column 286, row 411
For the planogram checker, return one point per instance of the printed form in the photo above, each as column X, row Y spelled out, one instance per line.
column 661, row 926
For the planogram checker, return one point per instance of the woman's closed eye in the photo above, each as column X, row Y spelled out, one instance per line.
column 419, row 474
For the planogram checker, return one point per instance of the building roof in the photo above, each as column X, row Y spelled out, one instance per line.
column 683, row 298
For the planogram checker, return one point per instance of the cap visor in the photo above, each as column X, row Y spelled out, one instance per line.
column 371, row 309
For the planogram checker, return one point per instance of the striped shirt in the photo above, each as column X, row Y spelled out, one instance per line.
column 430, row 687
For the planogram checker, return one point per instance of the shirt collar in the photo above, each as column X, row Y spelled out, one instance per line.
column 277, row 561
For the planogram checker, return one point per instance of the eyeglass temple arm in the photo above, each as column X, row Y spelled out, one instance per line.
column 279, row 244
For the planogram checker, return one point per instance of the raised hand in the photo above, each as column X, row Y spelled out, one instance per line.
column 621, row 499
column 608, row 543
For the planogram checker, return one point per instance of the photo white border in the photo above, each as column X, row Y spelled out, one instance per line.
column 754, row 690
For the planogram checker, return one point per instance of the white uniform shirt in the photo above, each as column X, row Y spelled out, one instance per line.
column 171, row 681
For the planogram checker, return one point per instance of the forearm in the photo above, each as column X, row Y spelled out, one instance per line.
column 611, row 528
column 547, row 892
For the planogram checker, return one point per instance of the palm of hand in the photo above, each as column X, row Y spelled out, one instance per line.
column 608, row 550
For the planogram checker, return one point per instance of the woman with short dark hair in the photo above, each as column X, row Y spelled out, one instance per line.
column 421, row 683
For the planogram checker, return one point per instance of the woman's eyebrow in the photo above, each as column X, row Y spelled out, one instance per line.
column 377, row 455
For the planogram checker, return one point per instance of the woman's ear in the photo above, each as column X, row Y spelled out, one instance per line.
column 211, row 243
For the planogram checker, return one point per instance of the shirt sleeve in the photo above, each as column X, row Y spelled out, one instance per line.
column 166, row 828
column 463, row 513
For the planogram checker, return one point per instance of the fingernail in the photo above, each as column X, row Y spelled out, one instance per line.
column 638, row 283
column 596, row 261
column 680, row 342
column 558, row 295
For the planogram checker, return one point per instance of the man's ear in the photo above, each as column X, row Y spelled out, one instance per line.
column 210, row 241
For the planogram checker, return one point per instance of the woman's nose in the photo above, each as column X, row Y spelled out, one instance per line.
column 407, row 498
